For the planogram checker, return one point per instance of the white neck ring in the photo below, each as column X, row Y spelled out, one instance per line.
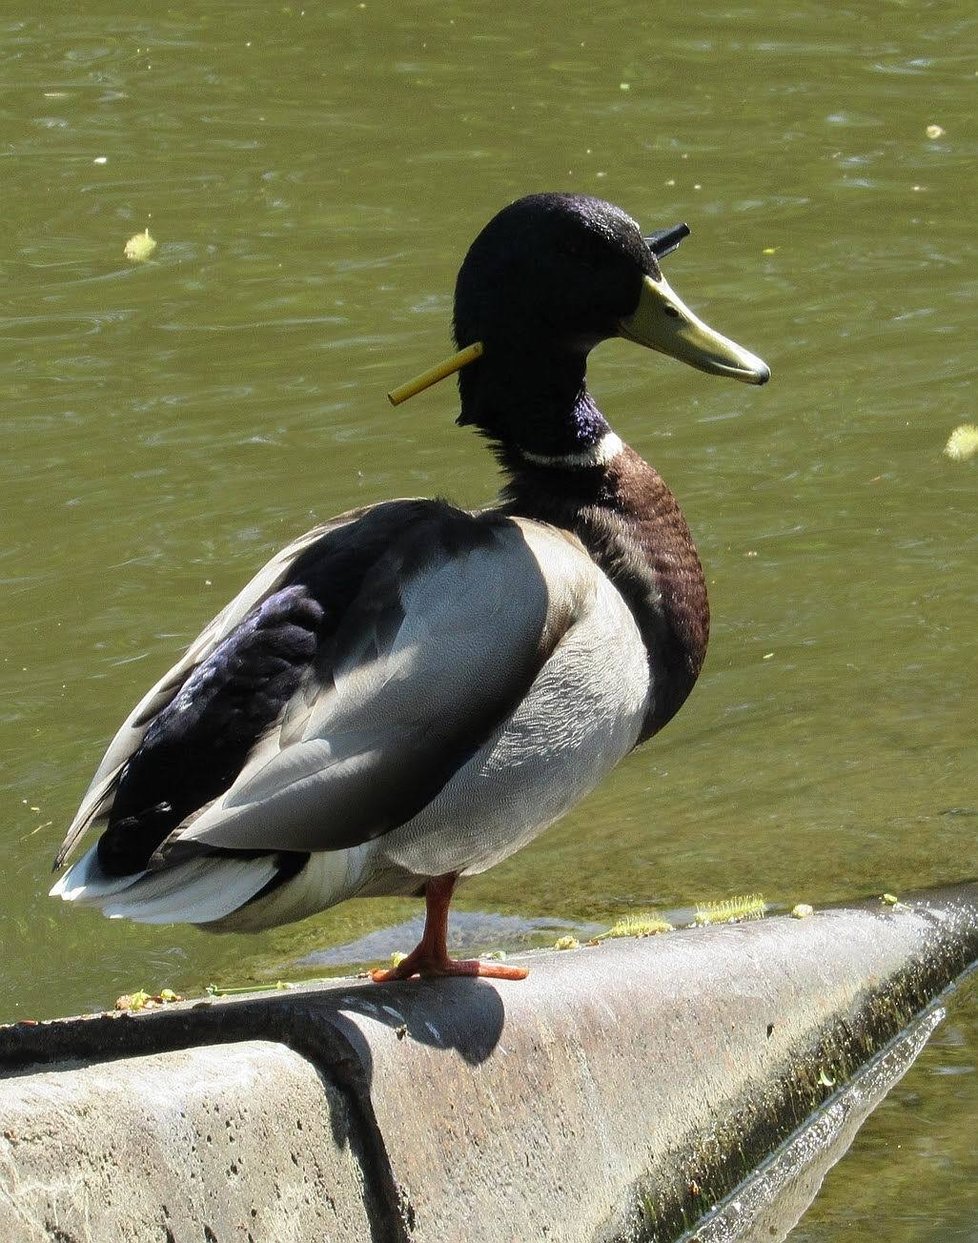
column 600, row 453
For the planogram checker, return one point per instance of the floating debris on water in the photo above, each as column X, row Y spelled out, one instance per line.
column 962, row 443
column 567, row 943
column 801, row 911
column 139, row 248
column 935, row 131
column 731, row 910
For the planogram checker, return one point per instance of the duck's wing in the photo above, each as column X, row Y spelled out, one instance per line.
column 400, row 636
column 448, row 632
column 97, row 801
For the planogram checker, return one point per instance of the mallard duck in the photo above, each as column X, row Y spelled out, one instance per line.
column 411, row 692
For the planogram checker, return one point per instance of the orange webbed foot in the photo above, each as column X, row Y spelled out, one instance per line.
column 429, row 958
column 429, row 968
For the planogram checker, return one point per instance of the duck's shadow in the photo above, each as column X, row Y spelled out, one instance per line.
column 460, row 1015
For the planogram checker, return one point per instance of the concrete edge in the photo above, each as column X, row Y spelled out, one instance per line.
column 613, row 1035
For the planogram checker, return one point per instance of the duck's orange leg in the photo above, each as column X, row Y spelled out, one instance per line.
column 430, row 955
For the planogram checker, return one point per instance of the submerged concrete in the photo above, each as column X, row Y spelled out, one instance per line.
column 620, row 1092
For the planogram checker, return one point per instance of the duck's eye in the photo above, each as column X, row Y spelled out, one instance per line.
column 671, row 311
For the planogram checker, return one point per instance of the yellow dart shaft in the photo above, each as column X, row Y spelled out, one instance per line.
column 436, row 373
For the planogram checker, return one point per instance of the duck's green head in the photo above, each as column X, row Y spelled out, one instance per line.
column 550, row 277
column 569, row 270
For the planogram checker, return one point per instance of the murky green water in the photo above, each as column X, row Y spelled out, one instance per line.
column 313, row 178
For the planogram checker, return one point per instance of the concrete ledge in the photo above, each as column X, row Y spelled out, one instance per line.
column 619, row 1093
column 181, row 1146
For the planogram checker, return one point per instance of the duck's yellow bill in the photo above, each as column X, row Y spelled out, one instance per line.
column 662, row 321
column 436, row 373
